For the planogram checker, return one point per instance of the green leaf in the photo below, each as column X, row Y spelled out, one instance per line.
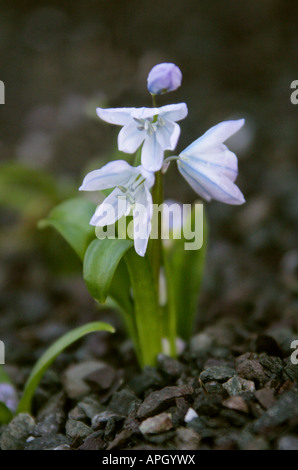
column 71, row 219
column 4, row 377
column 101, row 260
column 184, row 270
column 147, row 310
column 5, row 414
column 50, row 355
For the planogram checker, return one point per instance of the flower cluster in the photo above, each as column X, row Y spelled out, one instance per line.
column 207, row 164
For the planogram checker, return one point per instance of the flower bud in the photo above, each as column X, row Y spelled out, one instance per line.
column 164, row 78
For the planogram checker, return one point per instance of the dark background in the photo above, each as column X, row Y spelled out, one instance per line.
column 59, row 60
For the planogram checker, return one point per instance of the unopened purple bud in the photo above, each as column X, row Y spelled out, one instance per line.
column 164, row 78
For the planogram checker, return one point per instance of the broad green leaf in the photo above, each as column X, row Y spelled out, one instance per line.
column 71, row 219
column 50, row 355
column 101, row 260
column 28, row 190
column 147, row 311
column 4, row 378
column 184, row 274
column 5, row 414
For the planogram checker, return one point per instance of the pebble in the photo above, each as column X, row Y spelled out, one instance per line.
column 162, row 399
column 17, row 431
column 190, row 415
column 235, row 385
column 76, row 429
column 236, row 403
column 284, row 409
column 123, row 402
column 74, row 378
column 251, row 369
column 288, row 443
column 47, row 442
column 156, row 424
column 265, row 397
column 170, row 366
column 218, row 373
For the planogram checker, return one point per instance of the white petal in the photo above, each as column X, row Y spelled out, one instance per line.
column 114, row 173
column 168, row 135
column 111, row 209
column 220, row 159
column 215, row 136
column 118, row 116
column 142, row 215
column 174, row 112
column 152, row 154
column 211, row 184
column 145, row 113
column 130, row 138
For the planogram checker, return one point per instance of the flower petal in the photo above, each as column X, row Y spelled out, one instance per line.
column 173, row 112
column 142, row 214
column 211, row 184
column 111, row 209
column 215, row 136
column 114, row 173
column 118, row 116
column 130, row 137
column 220, row 159
column 152, row 154
column 168, row 135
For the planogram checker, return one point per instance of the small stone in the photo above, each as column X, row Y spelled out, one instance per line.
column 273, row 365
column 201, row 343
column 74, row 378
column 157, row 424
column 235, row 385
column 190, row 415
column 76, row 429
column 100, row 420
column 162, row 399
column 247, row 441
column 121, row 439
column 93, row 442
column 236, row 403
column 251, row 370
column 265, row 397
column 208, row 405
column 284, row 409
column 187, row 439
column 288, row 443
column 16, row 433
column 52, row 416
column 170, row 366
column 90, row 406
column 101, row 379
column 218, row 373
column 47, row 442
column 123, row 402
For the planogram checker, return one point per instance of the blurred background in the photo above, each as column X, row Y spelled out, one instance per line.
column 59, row 60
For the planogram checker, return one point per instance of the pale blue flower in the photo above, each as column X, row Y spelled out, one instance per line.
column 131, row 194
column 164, row 78
column 210, row 167
column 156, row 128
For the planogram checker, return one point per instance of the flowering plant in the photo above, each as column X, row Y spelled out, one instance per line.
column 137, row 258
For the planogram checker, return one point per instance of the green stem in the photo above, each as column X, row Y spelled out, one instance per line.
column 155, row 251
